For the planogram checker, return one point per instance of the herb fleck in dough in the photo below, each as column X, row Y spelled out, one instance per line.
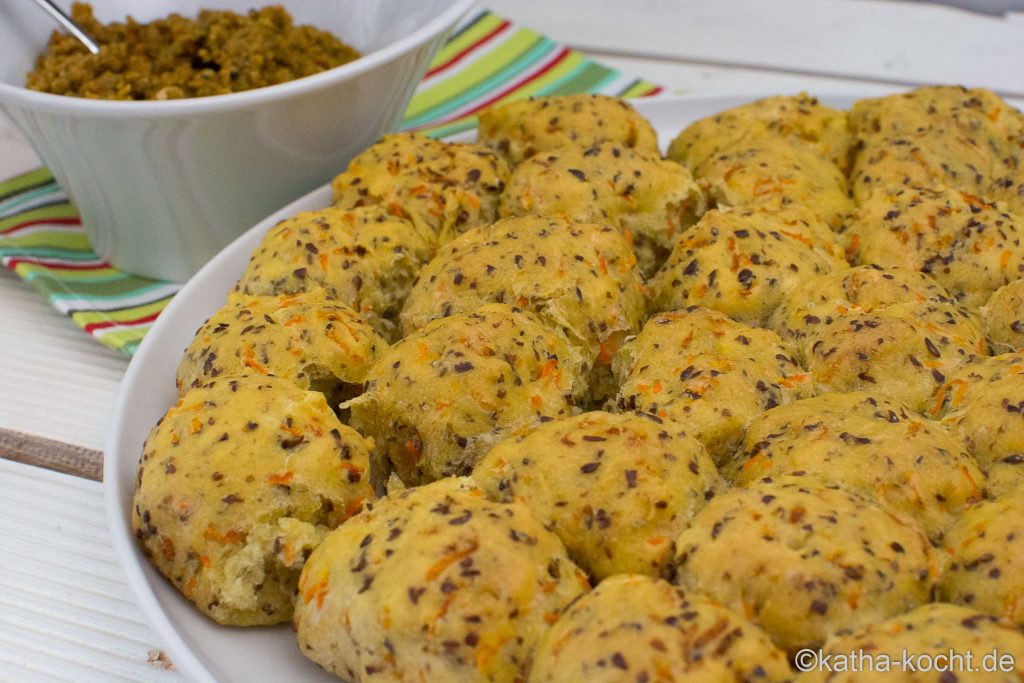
column 364, row 257
column 970, row 245
column 708, row 373
column 237, row 483
column 580, row 278
column 443, row 188
column 884, row 330
column 801, row 117
column 311, row 340
column 821, row 301
column 744, row 262
column 522, row 129
column 937, row 136
column 617, row 489
column 649, row 199
column 932, row 631
column 1004, row 318
column 436, row 402
column 984, row 404
column 868, row 444
column 638, row 628
column 435, row 583
column 805, row 560
column 985, row 566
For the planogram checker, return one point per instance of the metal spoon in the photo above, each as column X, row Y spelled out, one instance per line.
column 71, row 27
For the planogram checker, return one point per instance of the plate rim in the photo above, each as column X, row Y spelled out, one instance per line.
column 118, row 508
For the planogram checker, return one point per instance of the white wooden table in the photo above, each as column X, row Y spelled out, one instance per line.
column 65, row 611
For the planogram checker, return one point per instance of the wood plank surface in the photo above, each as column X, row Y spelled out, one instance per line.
column 68, row 615
column 870, row 40
column 56, row 382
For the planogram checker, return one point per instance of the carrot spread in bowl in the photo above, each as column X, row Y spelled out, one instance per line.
column 216, row 53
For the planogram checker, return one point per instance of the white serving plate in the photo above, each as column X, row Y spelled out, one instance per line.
column 200, row 648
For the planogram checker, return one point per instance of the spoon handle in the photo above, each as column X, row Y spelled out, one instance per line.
column 69, row 25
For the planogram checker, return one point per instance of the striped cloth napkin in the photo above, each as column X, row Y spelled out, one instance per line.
column 487, row 60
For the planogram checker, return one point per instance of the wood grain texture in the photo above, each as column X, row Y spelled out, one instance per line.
column 56, row 381
column 53, row 455
column 68, row 614
column 894, row 43
column 714, row 79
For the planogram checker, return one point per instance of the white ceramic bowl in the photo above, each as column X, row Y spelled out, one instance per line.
column 163, row 186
